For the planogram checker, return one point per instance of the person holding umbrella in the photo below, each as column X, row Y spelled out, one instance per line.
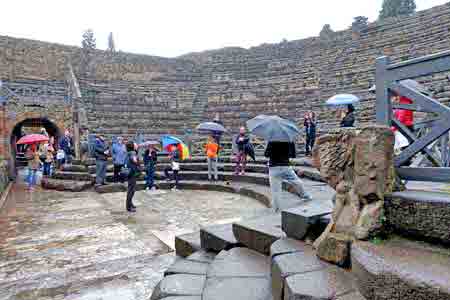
column 34, row 163
column 280, row 134
column 348, row 117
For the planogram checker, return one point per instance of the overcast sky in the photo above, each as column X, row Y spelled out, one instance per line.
column 171, row 28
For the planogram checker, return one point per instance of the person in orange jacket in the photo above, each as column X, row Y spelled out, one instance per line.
column 211, row 149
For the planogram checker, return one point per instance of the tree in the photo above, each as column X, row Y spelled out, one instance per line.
column 88, row 43
column 111, row 45
column 395, row 8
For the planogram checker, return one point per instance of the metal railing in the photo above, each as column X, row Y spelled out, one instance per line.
column 430, row 136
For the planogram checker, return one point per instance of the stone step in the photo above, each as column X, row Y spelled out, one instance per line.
column 239, row 273
column 74, row 176
column 74, row 168
column 420, row 214
column 296, row 222
column 203, row 166
column 401, row 269
column 178, row 285
column 187, row 244
column 259, row 233
column 260, row 160
column 297, row 273
column 218, row 237
column 66, row 185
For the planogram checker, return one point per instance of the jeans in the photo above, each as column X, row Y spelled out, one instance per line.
column 31, row 178
column 131, row 189
column 67, row 157
column 46, row 171
column 241, row 162
column 284, row 173
column 100, row 171
column 310, row 139
column 149, row 176
column 212, row 167
column 117, row 177
column 174, row 175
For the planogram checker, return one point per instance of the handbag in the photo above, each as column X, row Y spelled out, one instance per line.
column 175, row 166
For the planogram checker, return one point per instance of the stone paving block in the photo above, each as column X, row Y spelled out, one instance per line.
column 238, row 288
column 179, row 285
column 111, row 188
column 187, row 244
column 335, row 248
column 184, row 266
column 183, row 298
column 293, row 263
column 298, row 220
column 286, row 245
column 218, row 237
column 202, row 256
column 325, row 284
column 260, row 233
column 240, row 262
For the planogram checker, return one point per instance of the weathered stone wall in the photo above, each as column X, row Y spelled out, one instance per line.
column 125, row 92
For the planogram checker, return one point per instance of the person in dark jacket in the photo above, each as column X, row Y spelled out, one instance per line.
column 66, row 144
column 132, row 163
column 150, row 159
column 242, row 140
column 101, row 156
column 279, row 154
column 348, row 119
column 310, row 129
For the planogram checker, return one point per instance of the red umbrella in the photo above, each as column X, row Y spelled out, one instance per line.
column 32, row 139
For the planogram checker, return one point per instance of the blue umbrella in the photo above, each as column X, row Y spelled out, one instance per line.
column 211, row 126
column 170, row 140
column 342, row 99
column 273, row 128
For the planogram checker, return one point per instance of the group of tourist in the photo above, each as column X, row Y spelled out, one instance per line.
column 48, row 156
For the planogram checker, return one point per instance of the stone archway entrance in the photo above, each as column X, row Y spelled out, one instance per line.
column 28, row 126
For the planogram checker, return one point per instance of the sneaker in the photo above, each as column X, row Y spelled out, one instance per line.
column 174, row 189
column 307, row 198
column 132, row 209
column 147, row 189
column 153, row 188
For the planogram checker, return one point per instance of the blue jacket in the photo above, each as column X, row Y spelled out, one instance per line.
column 100, row 148
column 119, row 154
column 65, row 144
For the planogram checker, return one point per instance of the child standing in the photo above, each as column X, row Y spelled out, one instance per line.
column 174, row 158
column 212, row 149
column 150, row 159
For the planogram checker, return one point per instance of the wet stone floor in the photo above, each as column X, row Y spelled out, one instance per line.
column 85, row 246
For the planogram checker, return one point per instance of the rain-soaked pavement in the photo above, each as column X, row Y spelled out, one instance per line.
column 85, row 246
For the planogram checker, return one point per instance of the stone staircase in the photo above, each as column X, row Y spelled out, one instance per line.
column 271, row 257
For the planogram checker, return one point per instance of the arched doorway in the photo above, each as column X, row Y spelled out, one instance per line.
column 28, row 126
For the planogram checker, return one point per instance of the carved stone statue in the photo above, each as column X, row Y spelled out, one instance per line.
column 358, row 164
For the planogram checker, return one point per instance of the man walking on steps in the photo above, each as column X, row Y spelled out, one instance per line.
column 279, row 154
